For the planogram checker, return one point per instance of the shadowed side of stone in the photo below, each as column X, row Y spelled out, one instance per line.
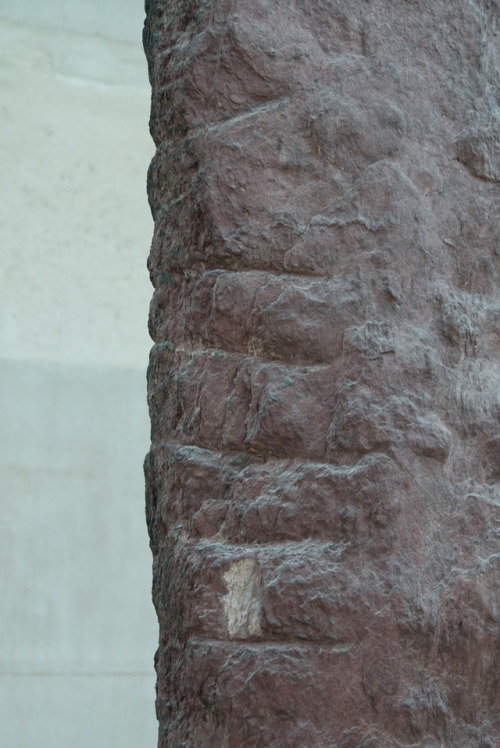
column 323, row 485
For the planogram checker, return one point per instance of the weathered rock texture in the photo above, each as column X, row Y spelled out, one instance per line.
column 324, row 479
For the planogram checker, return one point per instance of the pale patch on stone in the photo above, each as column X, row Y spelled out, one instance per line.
column 242, row 604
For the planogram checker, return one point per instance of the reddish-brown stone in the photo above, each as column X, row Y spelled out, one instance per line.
column 323, row 486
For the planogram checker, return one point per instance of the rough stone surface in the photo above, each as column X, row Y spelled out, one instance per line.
column 323, row 487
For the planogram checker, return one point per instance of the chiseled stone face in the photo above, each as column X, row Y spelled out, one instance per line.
column 324, row 479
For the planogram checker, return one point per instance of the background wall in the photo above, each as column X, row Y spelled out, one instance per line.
column 78, row 628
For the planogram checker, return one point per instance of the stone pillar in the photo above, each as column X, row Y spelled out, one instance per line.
column 323, row 492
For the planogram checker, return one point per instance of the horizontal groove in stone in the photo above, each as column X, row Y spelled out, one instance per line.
column 293, row 545
column 278, row 644
column 268, row 106
column 205, row 350
column 274, row 272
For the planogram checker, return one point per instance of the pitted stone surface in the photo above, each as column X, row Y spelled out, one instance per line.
column 323, row 486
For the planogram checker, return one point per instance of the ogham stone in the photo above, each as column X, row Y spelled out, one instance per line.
column 323, row 485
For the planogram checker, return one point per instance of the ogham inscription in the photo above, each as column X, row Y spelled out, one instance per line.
column 323, row 485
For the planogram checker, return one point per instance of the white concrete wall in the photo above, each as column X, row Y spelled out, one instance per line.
column 78, row 629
